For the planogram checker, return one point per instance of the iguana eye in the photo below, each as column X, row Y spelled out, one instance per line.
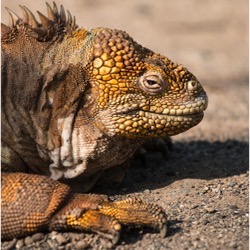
column 152, row 83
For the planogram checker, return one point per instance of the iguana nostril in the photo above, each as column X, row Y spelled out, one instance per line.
column 192, row 85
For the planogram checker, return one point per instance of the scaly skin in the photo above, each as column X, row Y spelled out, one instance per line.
column 75, row 104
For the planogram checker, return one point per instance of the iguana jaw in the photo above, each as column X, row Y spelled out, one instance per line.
column 145, row 120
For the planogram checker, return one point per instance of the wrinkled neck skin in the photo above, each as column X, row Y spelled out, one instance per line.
column 85, row 149
column 43, row 121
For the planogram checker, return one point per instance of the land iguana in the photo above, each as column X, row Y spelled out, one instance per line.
column 76, row 105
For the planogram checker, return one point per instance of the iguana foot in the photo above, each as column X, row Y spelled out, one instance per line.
column 134, row 211
column 97, row 213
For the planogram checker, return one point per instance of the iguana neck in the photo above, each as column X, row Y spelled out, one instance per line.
column 47, row 84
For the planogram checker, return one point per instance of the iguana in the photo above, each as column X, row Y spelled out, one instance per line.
column 76, row 105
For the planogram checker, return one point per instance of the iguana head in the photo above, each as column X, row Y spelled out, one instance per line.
column 137, row 93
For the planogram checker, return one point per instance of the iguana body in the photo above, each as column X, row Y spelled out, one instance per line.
column 78, row 102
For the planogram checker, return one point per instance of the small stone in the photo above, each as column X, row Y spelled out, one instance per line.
column 19, row 244
column 147, row 191
column 53, row 234
column 68, row 246
column 37, row 237
column 28, row 241
column 181, row 206
column 210, row 209
column 51, row 244
column 236, row 212
column 74, row 236
column 194, row 206
column 234, row 244
column 204, row 191
column 232, row 183
column 61, row 239
column 8, row 245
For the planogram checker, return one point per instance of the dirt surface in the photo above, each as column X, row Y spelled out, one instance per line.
column 203, row 185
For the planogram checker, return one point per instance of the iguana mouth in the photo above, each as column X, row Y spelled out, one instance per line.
column 138, row 123
column 188, row 109
column 193, row 112
column 156, row 115
column 147, row 120
column 175, row 117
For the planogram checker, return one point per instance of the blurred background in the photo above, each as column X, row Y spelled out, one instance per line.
column 209, row 37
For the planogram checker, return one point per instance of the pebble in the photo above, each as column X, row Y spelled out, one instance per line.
column 8, row 245
column 210, row 209
column 61, row 239
column 28, row 240
column 234, row 244
column 37, row 237
column 68, row 246
column 194, row 206
column 20, row 244
column 181, row 206
column 74, row 237
column 147, row 191
column 53, row 234
column 51, row 243
column 82, row 244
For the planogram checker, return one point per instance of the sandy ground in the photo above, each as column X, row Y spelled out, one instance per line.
column 204, row 183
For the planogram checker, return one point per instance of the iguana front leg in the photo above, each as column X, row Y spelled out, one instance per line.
column 32, row 203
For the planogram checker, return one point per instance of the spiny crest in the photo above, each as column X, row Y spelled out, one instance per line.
column 51, row 27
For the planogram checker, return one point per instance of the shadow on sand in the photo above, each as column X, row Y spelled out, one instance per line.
column 194, row 159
